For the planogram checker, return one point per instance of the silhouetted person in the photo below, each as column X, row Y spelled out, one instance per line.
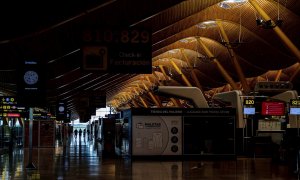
column 80, row 132
column 75, row 133
column 84, row 131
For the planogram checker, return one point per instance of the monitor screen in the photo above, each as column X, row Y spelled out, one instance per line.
column 273, row 108
column 295, row 110
column 249, row 110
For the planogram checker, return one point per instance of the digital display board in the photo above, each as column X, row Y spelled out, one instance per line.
column 31, row 84
column 249, row 110
column 295, row 110
column 273, row 108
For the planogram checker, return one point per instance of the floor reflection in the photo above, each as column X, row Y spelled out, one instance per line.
column 82, row 159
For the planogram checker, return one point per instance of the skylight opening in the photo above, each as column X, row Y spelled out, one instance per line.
column 229, row 4
column 207, row 24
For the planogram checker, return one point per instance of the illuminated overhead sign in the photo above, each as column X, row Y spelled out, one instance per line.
column 11, row 108
column 10, row 114
column 31, row 89
column 68, row 117
column 8, row 100
column 273, row 108
column 8, row 104
column 61, row 111
column 118, row 50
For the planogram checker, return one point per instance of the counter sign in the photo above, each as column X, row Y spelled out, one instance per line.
column 249, row 102
column 295, row 102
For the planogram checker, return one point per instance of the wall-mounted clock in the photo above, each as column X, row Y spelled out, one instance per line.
column 31, row 77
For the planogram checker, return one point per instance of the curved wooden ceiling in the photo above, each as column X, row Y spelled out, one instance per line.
column 178, row 57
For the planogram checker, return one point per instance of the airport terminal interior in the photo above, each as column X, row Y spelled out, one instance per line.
column 139, row 89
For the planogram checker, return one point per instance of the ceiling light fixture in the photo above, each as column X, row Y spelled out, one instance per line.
column 269, row 24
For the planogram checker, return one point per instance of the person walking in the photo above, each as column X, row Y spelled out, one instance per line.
column 75, row 133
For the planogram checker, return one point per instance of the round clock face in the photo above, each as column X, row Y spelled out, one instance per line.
column 61, row 108
column 31, row 77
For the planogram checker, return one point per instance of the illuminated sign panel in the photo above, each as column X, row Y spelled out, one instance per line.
column 31, row 85
column 4, row 114
column 8, row 100
column 249, row 110
column 117, row 49
column 295, row 110
column 8, row 104
column 273, row 108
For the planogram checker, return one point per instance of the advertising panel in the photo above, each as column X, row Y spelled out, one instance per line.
column 156, row 135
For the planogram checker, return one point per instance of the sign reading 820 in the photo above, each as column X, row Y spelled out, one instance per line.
column 117, row 36
column 249, row 102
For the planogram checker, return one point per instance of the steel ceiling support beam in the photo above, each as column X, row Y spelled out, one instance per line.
column 176, row 102
column 219, row 66
column 184, row 78
column 119, row 101
column 117, row 104
column 215, row 92
column 128, row 97
column 141, row 99
column 295, row 72
column 150, row 94
column 161, row 67
column 154, row 98
column 161, row 84
column 125, row 97
column 277, row 78
column 134, row 103
column 130, row 100
column 157, row 78
column 125, row 100
column 148, row 79
column 143, row 102
column 291, row 46
column 114, row 103
column 194, row 76
column 232, row 54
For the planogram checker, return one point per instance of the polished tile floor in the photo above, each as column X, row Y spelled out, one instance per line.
column 83, row 159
